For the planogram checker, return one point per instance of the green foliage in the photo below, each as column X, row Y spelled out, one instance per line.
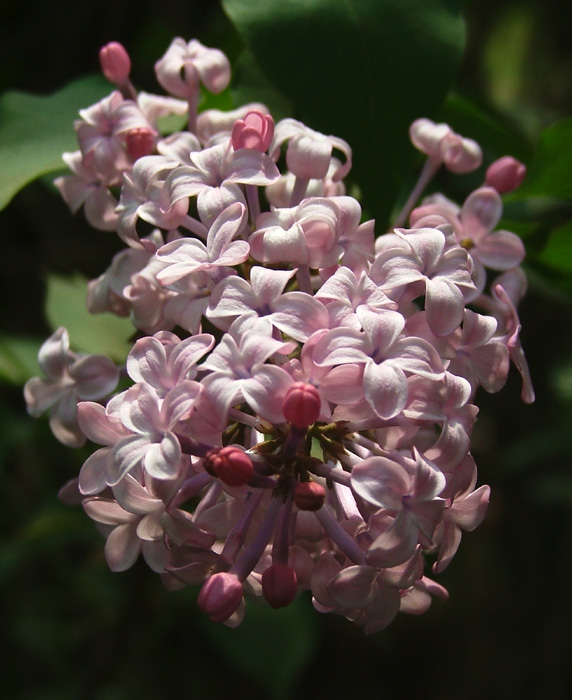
column 544, row 203
column 552, row 164
column 18, row 359
column 104, row 334
column 362, row 70
column 272, row 660
column 35, row 131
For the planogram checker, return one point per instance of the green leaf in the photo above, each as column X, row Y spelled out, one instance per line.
column 558, row 250
column 104, row 334
column 251, row 85
column 550, row 172
column 18, row 359
column 362, row 70
column 270, row 646
column 495, row 135
column 35, row 131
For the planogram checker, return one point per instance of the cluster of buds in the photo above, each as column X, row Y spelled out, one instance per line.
column 300, row 399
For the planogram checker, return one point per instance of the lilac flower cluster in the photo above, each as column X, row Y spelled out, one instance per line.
column 301, row 395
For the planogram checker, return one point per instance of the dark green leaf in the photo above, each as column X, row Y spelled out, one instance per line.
column 358, row 69
column 251, row 85
column 558, row 250
column 35, row 131
column 494, row 134
column 551, row 167
column 271, row 646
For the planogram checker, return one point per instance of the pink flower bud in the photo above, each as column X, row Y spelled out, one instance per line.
column 230, row 464
column 255, row 131
column 308, row 495
column 139, row 142
column 506, row 174
column 279, row 585
column 220, row 596
column 115, row 62
column 302, row 405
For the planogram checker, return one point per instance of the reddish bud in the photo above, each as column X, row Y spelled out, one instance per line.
column 139, row 142
column 302, row 405
column 115, row 62
column 279, row 585
column 220, row 596
column 230, row 464
column 308, row 495
column 506, row 174
column 255, row 131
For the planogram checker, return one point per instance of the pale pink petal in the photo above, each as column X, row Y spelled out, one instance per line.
column 162, row 459
column 92, row 476
column 95, row 375
column 385, row 388
column 501, row 250
column 41, row 395
column 444, row 306
column 134, row 497
column 125, row 456
column 122, row 547
column 354, row 587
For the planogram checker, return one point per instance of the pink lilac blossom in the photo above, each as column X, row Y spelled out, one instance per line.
column 300, row 400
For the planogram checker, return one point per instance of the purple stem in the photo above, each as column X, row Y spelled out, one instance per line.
column 190, row 487
column 251, row 555
column 340, row 537
column 282, row 536
column 235, row 537
column 253, row 202
column 429, row 169
column 195, row 226
column 328, row 471
column 298, row 191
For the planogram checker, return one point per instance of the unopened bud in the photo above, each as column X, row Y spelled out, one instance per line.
column 220, row 596
column 506, row 174
column 302, row 405
column 309, row 495
column 230, row 464
column 139, row 142
column 255, row 131
column 279, row 585
column 115, row 62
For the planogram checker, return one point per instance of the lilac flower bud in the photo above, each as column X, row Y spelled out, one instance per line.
column 301, row 405
column 506, row 174
column 279, row 585
column 230, row 464
column 309, row 495
column 255, row 131
column 115, row 62
column 139, row 142
column 220, row 596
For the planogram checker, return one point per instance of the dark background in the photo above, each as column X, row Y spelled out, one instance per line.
column 75, row 630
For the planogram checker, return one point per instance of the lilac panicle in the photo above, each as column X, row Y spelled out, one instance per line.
column 299, row 397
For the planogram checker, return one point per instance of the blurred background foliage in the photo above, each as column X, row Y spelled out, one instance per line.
column 74, row 629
